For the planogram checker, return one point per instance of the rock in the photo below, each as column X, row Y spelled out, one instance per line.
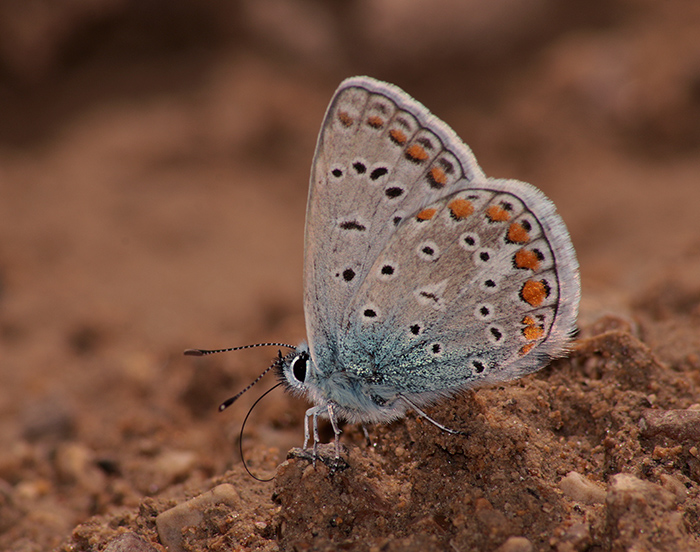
column 679, row 425
column 642, row 516
column 129, row 542
column 581, row 489
column 516, row 544
column 173, row 465
column 675, row 486
column 171, row 522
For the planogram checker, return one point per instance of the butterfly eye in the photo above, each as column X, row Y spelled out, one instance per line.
column 298, row 367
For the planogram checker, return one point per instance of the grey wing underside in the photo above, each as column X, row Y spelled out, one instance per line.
column 388, row 179
column 376, row 162
column 483, row 297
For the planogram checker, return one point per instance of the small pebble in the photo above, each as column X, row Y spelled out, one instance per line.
column 680, row 425
column 516, row 544
column 631, row 489
column 173, row 465
column 129, row 542
column 580, row 489
column 171, row 522
column 672, row 484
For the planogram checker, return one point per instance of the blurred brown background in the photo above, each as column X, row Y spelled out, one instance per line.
column 154, row 161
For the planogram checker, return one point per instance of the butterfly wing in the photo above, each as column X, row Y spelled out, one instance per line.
column 380, row 156
column 422, row 275
column 479, row 286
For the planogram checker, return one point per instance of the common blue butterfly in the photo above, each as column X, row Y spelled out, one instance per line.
column 422, row 276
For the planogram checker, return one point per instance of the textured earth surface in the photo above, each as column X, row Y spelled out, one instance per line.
column 154, row 162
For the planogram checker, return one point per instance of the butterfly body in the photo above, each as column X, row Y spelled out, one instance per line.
column 422, row 276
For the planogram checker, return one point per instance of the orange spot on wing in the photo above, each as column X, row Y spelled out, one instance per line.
column 497, row 213
column 534, row 292
column 375, row 122
column 461, row 208
column 397, row 136
column 426, row 214
column 525, row 349
column 345, row 118
column 416, row 153
column 527, row 259
column 533, row 332
column 437, row 177
column 518, row 234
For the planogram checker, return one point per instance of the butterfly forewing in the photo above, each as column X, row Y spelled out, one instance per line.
column 381, row 157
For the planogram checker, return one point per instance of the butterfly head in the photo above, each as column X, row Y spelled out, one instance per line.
column 298, row 372
column 351, row 395
column 294, row 369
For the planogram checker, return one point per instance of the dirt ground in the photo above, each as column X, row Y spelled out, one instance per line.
column 154, row 162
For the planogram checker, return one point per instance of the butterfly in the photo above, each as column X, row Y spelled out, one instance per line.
column 422, row 276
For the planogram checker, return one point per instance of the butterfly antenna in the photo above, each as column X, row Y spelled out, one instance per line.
column 204, row 352
column 228, row 402
column 240, row 438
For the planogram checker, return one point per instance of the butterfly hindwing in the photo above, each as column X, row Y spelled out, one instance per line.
column 468, row 290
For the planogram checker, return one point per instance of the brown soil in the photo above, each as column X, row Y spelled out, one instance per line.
column 154, row 162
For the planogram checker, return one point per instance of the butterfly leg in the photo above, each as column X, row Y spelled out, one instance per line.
column 368, row 440
column 311, row 420
column 307, row 424
column 316, row 437
column 434, row 422
column 336, row 430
